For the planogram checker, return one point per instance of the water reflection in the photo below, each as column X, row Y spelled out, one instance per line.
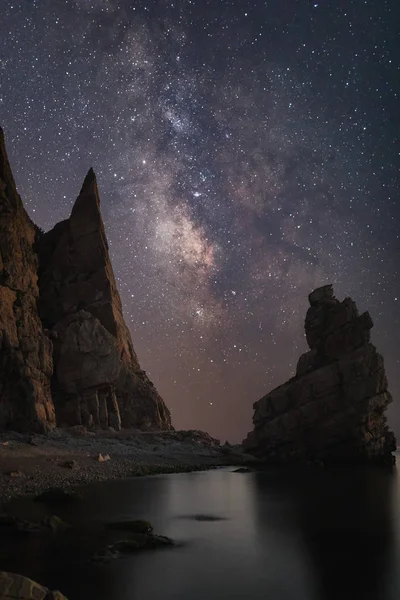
column 341, row 524
column 282, row 535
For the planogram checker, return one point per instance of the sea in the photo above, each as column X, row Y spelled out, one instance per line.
column 280, row 534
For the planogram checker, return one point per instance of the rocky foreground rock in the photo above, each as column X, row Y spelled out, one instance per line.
column 72, row 321
column 333, row 410
column 17, row 587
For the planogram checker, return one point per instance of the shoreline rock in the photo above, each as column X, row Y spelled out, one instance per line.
column 17, row 587
column 333, row 410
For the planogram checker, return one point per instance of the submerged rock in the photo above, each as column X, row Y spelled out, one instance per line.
column 57, row 496
column 333, row 410
column 204, row 518
column 49, row 524
column 137, row 526
column 54, row 524
column 17, row 587
column 135, row 543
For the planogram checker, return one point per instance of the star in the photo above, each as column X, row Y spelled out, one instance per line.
column 245, row 155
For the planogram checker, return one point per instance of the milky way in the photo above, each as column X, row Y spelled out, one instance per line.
column 246, row 153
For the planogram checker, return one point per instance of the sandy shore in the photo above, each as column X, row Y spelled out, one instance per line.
column 70, row 457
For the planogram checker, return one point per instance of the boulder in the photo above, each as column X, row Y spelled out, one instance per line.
column 333, row 410
column 18, row 587
column 103, row 457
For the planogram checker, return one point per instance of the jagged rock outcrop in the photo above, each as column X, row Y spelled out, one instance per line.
column 97, row 377
column 333, row 410
column 25, row 351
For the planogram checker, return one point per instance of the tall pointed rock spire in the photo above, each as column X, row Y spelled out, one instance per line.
column 89, row 180
column 86, row 216
column 98, row 379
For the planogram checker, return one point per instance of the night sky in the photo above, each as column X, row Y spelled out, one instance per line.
column 246, row 152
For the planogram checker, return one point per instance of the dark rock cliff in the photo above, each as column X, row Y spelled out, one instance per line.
column 333, row 410
column 97, row 379
column 25, row 351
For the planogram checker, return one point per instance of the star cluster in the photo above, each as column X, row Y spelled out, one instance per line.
column 246, row 153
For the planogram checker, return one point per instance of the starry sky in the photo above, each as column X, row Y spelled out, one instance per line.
column 246, row 152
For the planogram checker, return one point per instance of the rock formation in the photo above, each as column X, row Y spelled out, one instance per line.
column 25, row 351
column 97, row 379
column 17, row 587
column 333, row 410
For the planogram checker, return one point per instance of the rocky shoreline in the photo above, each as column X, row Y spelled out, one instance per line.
column 74, row 456
column 47, row 468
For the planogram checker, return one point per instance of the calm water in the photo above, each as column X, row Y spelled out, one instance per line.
column 282, row 535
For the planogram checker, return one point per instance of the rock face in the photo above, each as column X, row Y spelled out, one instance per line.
column 97, row 379
column 25, row 351
column 333, row 410
column 18, row 587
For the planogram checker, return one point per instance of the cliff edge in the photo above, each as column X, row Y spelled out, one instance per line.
column 59, row 305
column 25, row 351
